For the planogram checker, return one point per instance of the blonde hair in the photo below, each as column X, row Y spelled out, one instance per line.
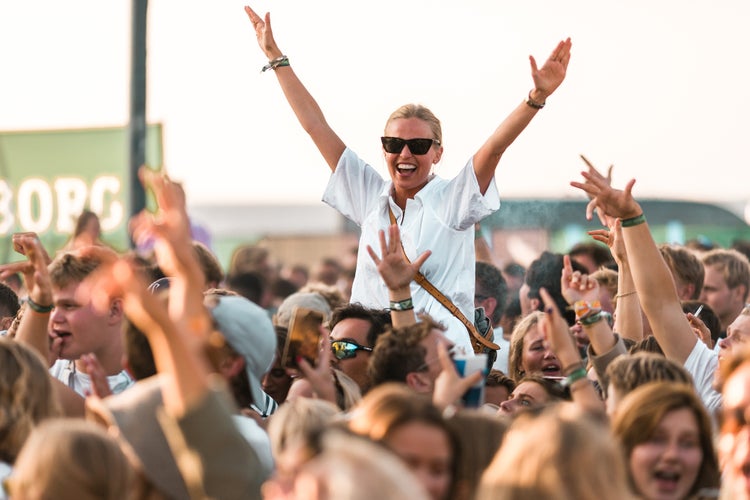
column 562, row 453
column 516, row 343
column 66, row 458
column 421, row 112
column 295, row 422
column 353, row 468
column 26, row 396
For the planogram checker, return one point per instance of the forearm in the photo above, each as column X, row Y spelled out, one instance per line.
column 657, row 293
column 488, row 156
column 310, row 116
column 33, row 331
column 401, row 318
column 628, row 319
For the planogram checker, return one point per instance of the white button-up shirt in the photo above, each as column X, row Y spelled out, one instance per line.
column 439, row 218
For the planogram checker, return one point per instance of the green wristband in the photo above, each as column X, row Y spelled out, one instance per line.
column 39, row 308
column 575, row 377
column 633, row 221
column 402, row 305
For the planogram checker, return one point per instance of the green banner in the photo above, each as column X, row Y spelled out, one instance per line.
column 47, row 178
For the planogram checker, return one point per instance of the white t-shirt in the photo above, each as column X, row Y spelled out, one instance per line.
column 702, row 364
column 439, row 218
column 65, row 371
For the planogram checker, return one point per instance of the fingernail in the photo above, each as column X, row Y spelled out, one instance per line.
column 550, row 310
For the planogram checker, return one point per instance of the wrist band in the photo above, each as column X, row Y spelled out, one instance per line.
column 534, row 104
column 592, row 318
column 573, row 368
column 275, row 63
column 633, row 221
column 39, row 308
column 619, row 295
column 574, row 377
column 585, row 309
column 402, row 305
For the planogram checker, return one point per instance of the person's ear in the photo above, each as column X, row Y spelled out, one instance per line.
column 438, row 155
column 418, row 382
column 536, row 304
column 115, row 314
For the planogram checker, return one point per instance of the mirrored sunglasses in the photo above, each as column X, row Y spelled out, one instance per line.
column 344, row 349
column 394, row 145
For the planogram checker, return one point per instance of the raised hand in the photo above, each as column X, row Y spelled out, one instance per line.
column 612, row 202
column 612, row 237
column 602, row 217
column 449, row 385
column 170, row 225
column 263, row 33
column 397, row 272
column 552, row 73
column 577, row 286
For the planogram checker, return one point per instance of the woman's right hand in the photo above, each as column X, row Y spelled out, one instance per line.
column 264, row 33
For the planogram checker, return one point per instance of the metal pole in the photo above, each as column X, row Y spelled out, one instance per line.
column 137, row 125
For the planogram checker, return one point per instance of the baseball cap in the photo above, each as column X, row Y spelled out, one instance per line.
column 249, row 331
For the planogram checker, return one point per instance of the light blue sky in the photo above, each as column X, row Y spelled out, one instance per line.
column 655, row 87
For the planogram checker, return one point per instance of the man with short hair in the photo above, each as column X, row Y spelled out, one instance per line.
column 409, row 355
column 726, row 284
column 354, row 331
column 687, row 270
column 78, row 328
column 491, row 293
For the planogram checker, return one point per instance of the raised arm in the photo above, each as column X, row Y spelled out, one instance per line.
column 628, row 319
column 546, row 80
column 651, row 276
column 303, row 104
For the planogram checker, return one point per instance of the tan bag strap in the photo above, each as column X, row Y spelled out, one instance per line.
column 478, row 342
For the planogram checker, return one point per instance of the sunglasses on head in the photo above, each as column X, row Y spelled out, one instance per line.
column 394, row 145
column 345, row 349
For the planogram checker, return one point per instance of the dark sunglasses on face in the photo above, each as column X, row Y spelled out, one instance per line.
column 394, row 145
column 345, row 349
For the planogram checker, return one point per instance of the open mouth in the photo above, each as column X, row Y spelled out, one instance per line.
column 551, row 370
column 667, row 480
column 405, row 169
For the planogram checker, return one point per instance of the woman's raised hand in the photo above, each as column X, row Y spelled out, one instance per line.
column 552, row 73
column 577, row 286
column 263, row 33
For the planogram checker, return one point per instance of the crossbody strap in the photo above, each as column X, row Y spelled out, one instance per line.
column 478, row 342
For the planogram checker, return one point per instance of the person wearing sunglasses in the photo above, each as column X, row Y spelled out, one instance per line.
column 354, row 331
column 434, row 213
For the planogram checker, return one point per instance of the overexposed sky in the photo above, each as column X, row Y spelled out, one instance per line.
column 655, row 87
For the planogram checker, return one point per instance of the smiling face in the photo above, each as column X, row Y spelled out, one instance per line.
column 408, row 171
column 536, row 358
column 666, row 465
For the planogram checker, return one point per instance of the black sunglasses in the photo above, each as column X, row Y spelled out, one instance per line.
column 394, row 145
column 345, row 349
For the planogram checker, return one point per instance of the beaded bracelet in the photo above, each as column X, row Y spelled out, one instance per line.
column 39, row 308
column 633, row 221
column 534, row 104
column 402, row 305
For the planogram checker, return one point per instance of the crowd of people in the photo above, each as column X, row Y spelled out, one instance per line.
column 617, row 369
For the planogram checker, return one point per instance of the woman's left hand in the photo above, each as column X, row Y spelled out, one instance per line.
column 552, row 73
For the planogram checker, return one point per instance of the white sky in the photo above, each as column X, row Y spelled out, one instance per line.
column 655, row 87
